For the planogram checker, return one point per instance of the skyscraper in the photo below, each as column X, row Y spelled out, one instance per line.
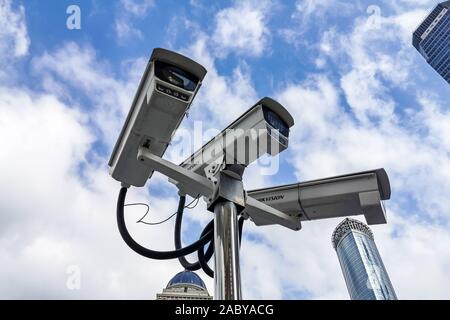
column 432, row 39
column 364, row 273
column 185, row 285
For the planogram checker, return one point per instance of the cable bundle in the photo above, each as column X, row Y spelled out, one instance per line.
column 206, row 238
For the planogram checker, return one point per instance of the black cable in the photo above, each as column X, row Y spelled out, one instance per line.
column 157, row 223
column 204, row 258
column 241, row 227
column 138, row 204
column 152, row 254
column 177, row 236
column 188, row 206
column 141, row 220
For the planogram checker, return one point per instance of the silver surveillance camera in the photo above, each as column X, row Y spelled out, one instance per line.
column 263, row 129
column 165, row 93
column 340, row 196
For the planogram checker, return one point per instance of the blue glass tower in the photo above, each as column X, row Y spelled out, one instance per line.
column 364, row 272
column 432, row 39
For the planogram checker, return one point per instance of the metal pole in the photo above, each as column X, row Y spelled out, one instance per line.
column 227, row 275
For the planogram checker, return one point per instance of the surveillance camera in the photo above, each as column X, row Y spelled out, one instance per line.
column 263, row 129
column 165, row 93
column 345, row 195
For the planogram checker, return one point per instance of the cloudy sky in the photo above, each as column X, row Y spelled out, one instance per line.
column 361, row 96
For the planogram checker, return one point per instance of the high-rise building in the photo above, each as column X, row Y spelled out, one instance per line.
column 364, row 272
column 185, row 285
column 432, row 39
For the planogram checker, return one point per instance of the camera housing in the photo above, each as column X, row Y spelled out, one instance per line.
column 165, row 93
column 263, row 129
column 340, row 196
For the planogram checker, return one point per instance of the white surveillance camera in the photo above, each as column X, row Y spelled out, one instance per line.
column 263, row 129
column 340, row 196
column 164, row 95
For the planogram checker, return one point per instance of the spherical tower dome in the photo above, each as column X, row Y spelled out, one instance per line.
column 186, row 277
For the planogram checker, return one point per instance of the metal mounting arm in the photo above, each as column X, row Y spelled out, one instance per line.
column 191, row 183
column 262, row 214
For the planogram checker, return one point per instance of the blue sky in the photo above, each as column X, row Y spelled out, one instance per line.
column 360, row 94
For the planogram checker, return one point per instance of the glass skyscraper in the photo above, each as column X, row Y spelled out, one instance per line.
column 432, row 39
column 364, row 272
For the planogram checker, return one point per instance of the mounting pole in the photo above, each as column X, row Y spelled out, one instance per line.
column 225, row 191
column 227, row 275
column 228, row 201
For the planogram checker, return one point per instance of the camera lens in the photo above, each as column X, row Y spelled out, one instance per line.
column 276, row 122
column 171, row 77
column 175, row 76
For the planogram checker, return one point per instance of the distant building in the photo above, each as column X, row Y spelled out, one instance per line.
column 186, row 285
column 364, row 273
column 432, row 39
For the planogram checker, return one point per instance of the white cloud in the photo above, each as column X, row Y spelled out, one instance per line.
column 410, row 249
column 128, row 11
column 138, row 8
column 261, row 279
column 304, row 9
column 369, row 71
column 14, row 40
column 72, row 67
column 125, row 30
column 13, row 30
column 225, row 97
column 402, row 5
column 53, row 139
column 312, row 105
column 55, row 209
column 437, row 120
column 242, row 28
column 407, row 22
column 365, row 94
column 309, row 14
